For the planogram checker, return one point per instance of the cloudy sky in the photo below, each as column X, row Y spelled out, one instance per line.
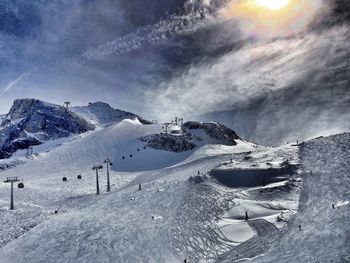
column 272, row 75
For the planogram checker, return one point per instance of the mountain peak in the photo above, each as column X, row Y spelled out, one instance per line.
column 100, row 104
column 102, row 113
column 32, row 121
column 22, row 107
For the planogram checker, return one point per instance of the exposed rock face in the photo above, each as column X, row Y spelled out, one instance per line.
column 103, row 113
column 191, row 135
column 31, row 121
column 214, row 130
column 170, row 143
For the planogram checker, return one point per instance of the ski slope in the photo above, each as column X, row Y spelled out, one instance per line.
column 171, row 218
column 325, row 232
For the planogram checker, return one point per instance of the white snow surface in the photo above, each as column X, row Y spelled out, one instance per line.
column 100, row 113
column 168, row 220
column 325, row 232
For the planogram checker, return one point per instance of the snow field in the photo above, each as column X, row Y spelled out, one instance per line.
column 168, row 220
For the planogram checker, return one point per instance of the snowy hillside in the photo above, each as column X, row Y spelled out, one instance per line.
column 102, row 113
column 31, row 122
column 206, row 195
column 324, row 212
column 183, row 210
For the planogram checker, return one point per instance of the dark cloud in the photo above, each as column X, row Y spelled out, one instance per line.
column 106, row 49
column 168, row 57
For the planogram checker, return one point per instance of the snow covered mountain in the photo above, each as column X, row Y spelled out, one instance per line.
column 158, row 211
column 197, row 192
column 186, row 208
column 31, row 121
column 102, row 113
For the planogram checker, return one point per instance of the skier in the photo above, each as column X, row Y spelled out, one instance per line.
column 56, row 211
column 333, row 206
column 299, row 227
column 185, row 260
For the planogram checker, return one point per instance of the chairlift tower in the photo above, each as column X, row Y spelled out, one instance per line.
column 67, row 104
column 96, row 168
column 167, row 124
column 108, row 163
column 11, row 180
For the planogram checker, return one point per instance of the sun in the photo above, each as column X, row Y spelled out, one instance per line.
column 270, row 18
column 272, row 4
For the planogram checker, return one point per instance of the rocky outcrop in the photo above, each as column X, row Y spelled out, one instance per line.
column 170, row 143
column 31, row 121
column 214, row 130
column 191, row 135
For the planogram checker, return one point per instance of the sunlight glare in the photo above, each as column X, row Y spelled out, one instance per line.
column 272, row 4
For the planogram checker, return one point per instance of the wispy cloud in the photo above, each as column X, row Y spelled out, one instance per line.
column 148, row 35
column 299, row 84
column 14, row 83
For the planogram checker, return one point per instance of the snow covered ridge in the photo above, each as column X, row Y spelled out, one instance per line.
column 190, row 135
column 103, row 113
column 31, row 122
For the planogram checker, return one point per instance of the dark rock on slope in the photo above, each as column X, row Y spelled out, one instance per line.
column 191, row 135
column 170, row 142
column 214, row 130
column 31, row 121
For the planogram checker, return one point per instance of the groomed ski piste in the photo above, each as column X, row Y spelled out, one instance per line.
column 183, row 210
